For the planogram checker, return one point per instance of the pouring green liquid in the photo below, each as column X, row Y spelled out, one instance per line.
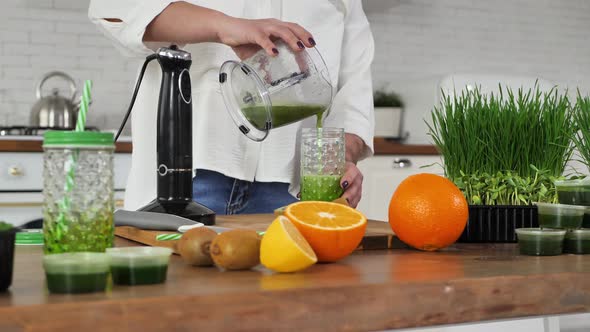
column 320, row 187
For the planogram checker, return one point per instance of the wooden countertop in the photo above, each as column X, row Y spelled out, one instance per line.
column 369, row 290
column 382, row 147
column 35, row 145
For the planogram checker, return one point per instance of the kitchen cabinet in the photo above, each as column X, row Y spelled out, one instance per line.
column 382, row 175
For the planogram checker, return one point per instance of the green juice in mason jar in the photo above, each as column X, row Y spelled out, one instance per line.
column 78, row 191
column 84, row 232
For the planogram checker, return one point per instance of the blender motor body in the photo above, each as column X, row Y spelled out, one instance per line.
column 174, row 141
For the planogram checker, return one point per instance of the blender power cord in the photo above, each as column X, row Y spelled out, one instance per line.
column 137, row 85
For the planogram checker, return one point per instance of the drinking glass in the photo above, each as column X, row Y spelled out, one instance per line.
column 322, row 163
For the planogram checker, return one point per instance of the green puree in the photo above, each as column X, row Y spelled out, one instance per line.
column 579, row 195
column 281, row 115
column 139, row 275
column 320, row 187
column 76, row 283
column 542, row 247
column 576, row 246
column 573, row 195
column 559, row 221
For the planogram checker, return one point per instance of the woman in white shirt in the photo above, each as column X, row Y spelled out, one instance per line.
column 233, row 173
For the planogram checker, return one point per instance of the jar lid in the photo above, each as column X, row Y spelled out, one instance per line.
column 139, row 256
column 29, row 237
column 81, row 139
column 542, row 232
column 76, row 263
column 572, row 182
column 582, row 234
column 561, row 209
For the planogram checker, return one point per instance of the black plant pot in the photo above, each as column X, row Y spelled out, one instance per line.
column 496, row 223
column 6, row 258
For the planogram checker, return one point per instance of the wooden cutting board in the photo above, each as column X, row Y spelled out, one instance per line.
column 377, row 236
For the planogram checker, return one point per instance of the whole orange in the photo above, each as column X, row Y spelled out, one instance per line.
column 428, row 212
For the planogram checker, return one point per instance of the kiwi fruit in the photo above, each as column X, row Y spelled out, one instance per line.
column 194, row 246
column 238, row 249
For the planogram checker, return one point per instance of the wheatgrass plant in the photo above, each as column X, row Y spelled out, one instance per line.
column 505, row 148
column 582, row 137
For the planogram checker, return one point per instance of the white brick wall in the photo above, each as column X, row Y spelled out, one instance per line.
column 38, row 36
column 418, row 42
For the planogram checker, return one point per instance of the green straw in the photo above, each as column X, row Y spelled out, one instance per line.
column 168, row 237
column 84, row 102
column 176, row 236
column 71, row 165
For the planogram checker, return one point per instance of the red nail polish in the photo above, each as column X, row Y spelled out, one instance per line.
column 311, row 41
column 275, row 51
column 300, row 44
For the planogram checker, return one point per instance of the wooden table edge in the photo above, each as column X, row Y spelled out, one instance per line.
column 357, row 307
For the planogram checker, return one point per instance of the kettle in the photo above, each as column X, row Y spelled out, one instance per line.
column 55, row 110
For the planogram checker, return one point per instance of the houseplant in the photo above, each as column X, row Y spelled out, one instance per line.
column 389, row 115
column 503, row 150
column 7, row 234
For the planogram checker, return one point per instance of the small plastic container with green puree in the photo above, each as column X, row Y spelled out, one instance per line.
column 540, row 242
column 577, row 241
column 560, row 215
column 139, row 265
column 78, row 272
column 575, row 192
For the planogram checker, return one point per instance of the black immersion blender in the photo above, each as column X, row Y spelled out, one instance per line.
column 175, row 137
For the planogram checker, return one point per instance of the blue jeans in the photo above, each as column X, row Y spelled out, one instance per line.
column 226, row 195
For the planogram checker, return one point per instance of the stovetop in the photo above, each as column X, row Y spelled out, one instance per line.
column 32, row 131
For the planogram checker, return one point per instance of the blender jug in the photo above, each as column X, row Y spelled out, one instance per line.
column 264, row 92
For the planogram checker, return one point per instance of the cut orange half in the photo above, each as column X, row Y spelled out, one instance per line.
column 333, row 230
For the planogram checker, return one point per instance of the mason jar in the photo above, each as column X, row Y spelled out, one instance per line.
column 78, row 198
column 323, row 155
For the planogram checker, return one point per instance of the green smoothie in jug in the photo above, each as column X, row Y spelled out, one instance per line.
column 281, row 115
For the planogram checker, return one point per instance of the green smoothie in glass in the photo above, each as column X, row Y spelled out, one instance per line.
column 320, row 187
column 322, row 163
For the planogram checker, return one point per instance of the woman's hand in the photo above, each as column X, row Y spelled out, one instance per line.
column 352, row 180
column 352, row 183
column 185, row 23
column 246, row 37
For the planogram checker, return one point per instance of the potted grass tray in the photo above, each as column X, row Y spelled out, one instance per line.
column 504, row 150
column 578, row 192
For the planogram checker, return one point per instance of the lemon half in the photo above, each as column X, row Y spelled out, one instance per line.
column 284, row 249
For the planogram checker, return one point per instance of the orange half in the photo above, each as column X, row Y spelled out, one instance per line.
column 333, row 230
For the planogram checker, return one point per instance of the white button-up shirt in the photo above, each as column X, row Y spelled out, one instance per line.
column 344, row 39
